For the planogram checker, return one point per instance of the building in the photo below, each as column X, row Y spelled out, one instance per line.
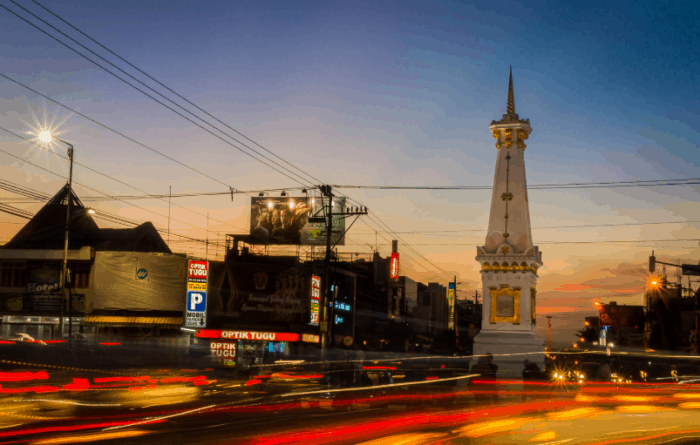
column 124, row 283
column 509, row 259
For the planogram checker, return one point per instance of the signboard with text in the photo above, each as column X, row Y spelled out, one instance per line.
column 394, row 266
column 196, row 303
column 315, row 299
column 451, row 307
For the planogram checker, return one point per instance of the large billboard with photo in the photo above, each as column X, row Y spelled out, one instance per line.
column 259, row 293
column 285, row 220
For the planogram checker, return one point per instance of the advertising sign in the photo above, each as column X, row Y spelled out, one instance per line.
column 285, row 220
column 254, row 293
column 310, row 338
column 451, row 307
column 196, row 308
column 394, row 266
column 278, row 220
column 248, row 335
column 315, row 299
column 315, row 232
column 197, row 271
column 223, row 353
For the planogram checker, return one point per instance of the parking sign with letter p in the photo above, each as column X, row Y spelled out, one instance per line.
column 196, row 301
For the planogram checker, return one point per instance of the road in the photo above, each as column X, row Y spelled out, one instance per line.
column 287, row 406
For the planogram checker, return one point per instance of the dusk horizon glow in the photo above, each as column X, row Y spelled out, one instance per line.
column 396, row 94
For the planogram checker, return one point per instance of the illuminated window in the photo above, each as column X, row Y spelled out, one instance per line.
column 14, row 274
column 80, row 274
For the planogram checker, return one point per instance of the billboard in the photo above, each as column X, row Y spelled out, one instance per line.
column 285, row 220
column 259, row 293
column 314, row 233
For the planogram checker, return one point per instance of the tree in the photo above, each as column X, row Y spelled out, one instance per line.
column 589, row 334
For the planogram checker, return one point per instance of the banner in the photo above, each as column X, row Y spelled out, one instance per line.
column 285, row 220
column 139, row 281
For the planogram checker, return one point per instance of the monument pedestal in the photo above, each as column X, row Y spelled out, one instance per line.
column 510, row 349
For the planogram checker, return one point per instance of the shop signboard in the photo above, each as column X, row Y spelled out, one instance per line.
column 248, row 335
column 196, row 308
column 451, row 307
column 394, row 266
column 285, row 220
column 223, row 353
column 315, row 299
column 310, row 338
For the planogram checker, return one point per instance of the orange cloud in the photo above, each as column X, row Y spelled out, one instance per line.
column 572, row 287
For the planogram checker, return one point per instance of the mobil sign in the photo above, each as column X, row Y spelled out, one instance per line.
column 196, row 298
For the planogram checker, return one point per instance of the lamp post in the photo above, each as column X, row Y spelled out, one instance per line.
column 46, row 137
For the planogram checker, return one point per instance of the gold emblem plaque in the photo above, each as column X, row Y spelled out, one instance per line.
column 514, row 295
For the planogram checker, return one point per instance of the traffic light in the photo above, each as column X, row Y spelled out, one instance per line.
column 652, row 263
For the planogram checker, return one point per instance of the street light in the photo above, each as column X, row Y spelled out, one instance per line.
column 46, row 137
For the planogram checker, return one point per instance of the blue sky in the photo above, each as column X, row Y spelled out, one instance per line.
column 390, row 94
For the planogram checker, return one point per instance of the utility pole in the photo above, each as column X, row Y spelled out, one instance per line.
column 327, row 296
column 549, row 333
column 206, row 255
column 455, row 314
column 170, row 196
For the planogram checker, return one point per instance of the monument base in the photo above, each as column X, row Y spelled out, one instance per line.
column 510, row 349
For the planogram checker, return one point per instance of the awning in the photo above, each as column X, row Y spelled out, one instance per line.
column 148, row 322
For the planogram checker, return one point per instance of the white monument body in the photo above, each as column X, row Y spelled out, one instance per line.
column 509, row 260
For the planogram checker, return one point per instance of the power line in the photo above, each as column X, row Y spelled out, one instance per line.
column 695, row 240
column 145, row 93
column 113, row 179
column 87, row 58
column 114, row 131
column 172, row 91
column 104, row 215
column 580, row 185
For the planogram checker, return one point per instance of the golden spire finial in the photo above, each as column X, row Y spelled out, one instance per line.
column 511, row 99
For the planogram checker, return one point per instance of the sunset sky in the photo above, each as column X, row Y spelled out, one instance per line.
column 382, row 93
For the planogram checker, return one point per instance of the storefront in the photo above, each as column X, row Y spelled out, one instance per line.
column 29, row 328
column 243, row 349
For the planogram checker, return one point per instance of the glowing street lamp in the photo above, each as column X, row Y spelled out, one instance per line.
column 45, row 137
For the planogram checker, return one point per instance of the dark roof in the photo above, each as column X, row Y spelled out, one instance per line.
column 46, row 230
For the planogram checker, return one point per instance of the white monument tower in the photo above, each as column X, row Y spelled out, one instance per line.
column 509, row 260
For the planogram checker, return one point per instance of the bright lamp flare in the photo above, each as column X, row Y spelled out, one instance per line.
column 45, row 136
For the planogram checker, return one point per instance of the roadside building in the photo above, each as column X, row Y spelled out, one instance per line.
column 123, row 283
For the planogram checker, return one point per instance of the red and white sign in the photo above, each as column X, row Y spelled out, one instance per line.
column 223, row 349
column 315, row 287
column 198, row 270
column 394, row 266
column 248, row 335
column 310, row 338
